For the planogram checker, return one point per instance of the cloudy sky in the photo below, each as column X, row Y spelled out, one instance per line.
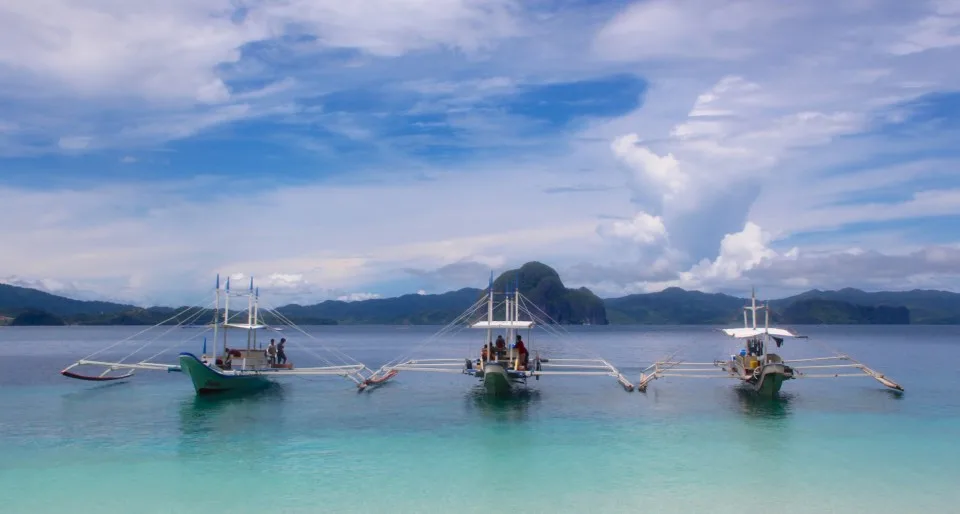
column 380, row 147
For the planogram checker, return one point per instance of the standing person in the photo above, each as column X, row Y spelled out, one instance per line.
column 522, row 352
column 281, row 356
column 272, row 353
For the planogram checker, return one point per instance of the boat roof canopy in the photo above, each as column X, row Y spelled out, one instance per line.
column 742, row 333
column 244, row 326
column 502, row 324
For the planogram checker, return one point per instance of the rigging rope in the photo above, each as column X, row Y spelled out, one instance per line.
column 556, row 329
column 124, row 340
column 180, row 343
column 173, row 327
column 445, row 330
column 343, row 357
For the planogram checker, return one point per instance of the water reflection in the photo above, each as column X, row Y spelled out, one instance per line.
column 515, row 407
column 210, row 422
column 759, row 407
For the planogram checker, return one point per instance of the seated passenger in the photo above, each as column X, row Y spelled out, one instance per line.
column 501, row 347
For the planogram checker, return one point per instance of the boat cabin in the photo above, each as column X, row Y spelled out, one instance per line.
column 243, row 359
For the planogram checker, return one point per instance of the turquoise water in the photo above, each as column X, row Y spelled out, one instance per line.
column 432, row 443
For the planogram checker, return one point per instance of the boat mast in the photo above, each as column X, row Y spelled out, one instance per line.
column 226, row 315
column 250, row 316
column 516, row 299
column 508, row 313
column 489, row 340
column 256, row 312
column 216, row 321
column 766, row 330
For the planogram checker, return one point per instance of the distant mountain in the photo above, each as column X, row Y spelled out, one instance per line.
column 927, row 307
column 814, row 311
column 15, row 299
column 411, row 309
column 674, row 306
column 846, row 306
column 36, row 318
column 539, row 283
column 542, row 285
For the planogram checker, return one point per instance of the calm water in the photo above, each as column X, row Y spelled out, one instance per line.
column 430, row 443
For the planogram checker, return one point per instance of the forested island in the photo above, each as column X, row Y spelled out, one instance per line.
column 542, row 286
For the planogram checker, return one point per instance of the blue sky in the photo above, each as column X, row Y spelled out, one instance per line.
column 379, row 148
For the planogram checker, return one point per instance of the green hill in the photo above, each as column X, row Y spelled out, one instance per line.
column 33, row 317
column 541, row 285
column 812, row 311
column 674, row 306
column 14, row 300
column 846, row 306
column 927, row 307
column 410, row 309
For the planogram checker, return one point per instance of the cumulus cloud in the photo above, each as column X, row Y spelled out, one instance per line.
column 661, row 174
column 643, row 229
column 748, row 151
column 739, row 252
column 751, row 133
column 113, row 232
column 168, row 70
column 932, row 267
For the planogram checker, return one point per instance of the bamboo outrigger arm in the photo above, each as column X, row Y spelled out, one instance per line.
column 800, row 371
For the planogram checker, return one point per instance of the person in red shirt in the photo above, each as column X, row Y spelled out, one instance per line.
column 522, row 351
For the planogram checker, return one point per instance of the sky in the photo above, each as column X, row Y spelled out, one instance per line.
column 351, row 150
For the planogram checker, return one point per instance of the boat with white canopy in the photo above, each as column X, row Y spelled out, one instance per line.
column 756, row 366
column 503, row 365
column 248, row 366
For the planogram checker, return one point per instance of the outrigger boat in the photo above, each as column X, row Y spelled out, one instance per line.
column 503, row 368
column 230, row 369
column 756, row 367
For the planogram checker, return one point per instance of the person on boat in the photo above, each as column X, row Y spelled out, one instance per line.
column 501, row 346
column 272, row 352
column 522, row 352
column 281, row 356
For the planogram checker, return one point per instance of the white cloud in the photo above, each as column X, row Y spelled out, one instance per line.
column 643, row 229
column 662, row 174
column 107, row 234
column 687, row 29
column 171, row 50
column 168, row 70
column 937, row 30
column 763, row 143
column 747, row 122
column 739, row 252
column 394, row 27
column 356, row 297
column 75, row 142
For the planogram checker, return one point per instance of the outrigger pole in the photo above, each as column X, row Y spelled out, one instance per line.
column 669, row 367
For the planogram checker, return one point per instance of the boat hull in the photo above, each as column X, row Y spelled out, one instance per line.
column 771, row 379
column 207, row 380
column 496, row 380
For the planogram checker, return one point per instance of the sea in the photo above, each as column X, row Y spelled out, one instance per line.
column 433, row 442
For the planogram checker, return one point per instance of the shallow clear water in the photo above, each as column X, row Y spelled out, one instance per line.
column 432, row 443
